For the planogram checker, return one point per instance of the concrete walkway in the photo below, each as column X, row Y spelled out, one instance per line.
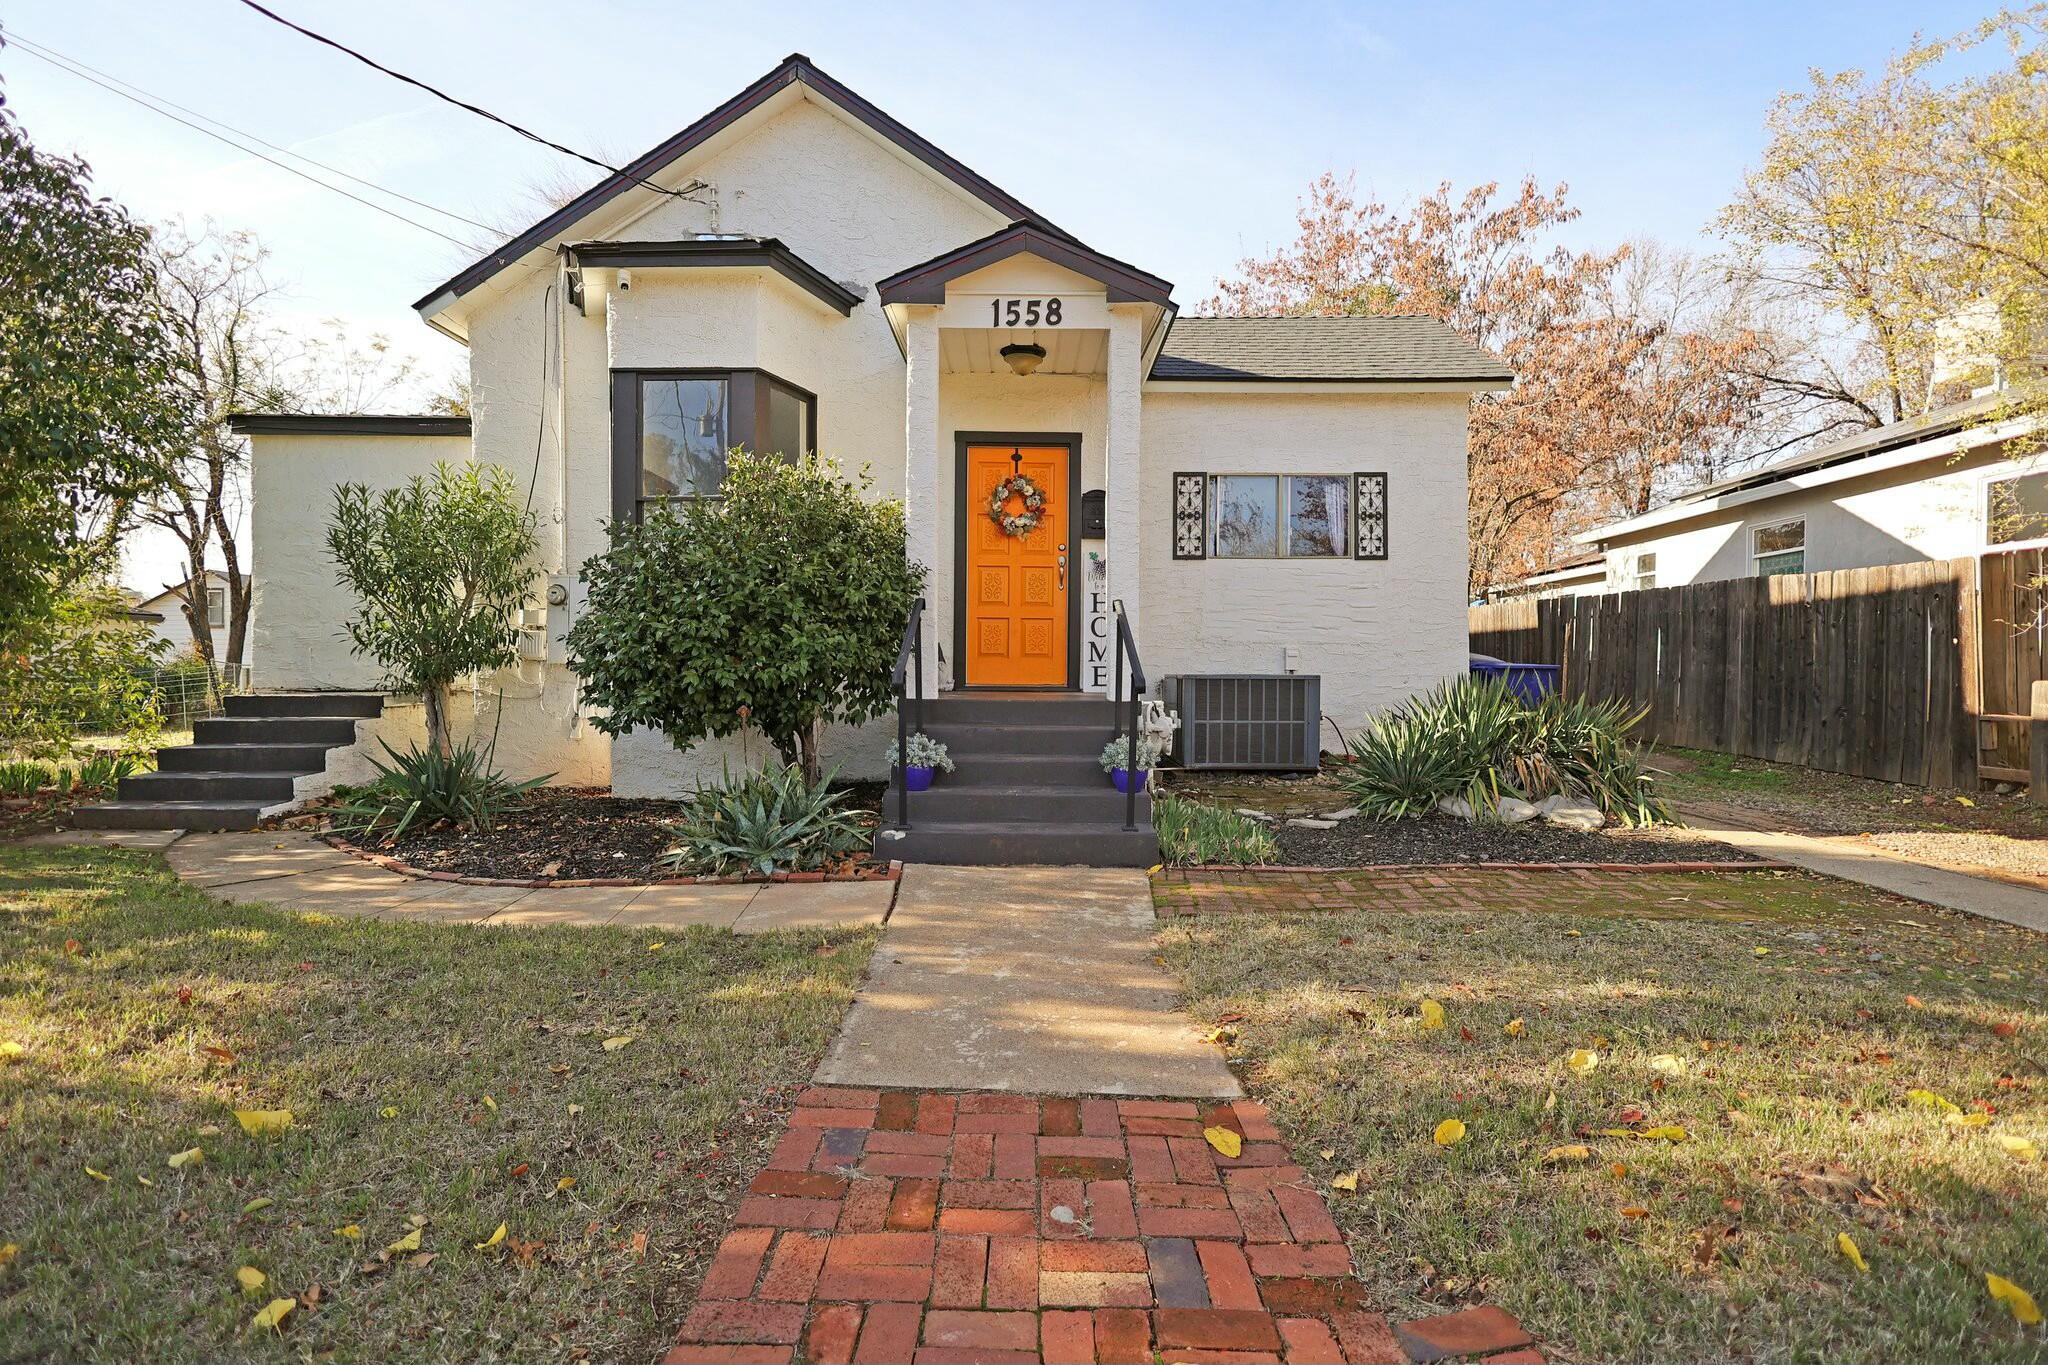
column 1036, row 980
column 1855, row 861
column 297, row 872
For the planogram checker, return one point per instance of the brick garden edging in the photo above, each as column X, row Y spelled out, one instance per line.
column 903, row 1226
column 893, row 872
column 1726, row 865
column 1482, row 887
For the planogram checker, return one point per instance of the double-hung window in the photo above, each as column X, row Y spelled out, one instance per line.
column 1280, row 516
column 1645, row 575
column 1778, row 548
column 2016, row 509
column 217, row 608
column 672, row 430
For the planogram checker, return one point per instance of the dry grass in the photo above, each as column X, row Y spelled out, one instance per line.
column 1797, row 1064
column 432, row 1072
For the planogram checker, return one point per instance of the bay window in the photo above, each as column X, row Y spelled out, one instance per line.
column 672, row 430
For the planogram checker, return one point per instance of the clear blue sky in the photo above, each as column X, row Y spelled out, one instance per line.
column 1176, row 136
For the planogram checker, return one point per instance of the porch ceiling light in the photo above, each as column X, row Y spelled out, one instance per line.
column 1024, row 358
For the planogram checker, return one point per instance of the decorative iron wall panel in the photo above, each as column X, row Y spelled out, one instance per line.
column 1369, row 503
column 1190, row 516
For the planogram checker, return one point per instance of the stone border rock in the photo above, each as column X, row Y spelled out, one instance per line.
column 1745, row 865
column 893, row 872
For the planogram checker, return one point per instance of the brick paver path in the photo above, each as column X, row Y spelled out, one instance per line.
column 904, row 1226
column 1201, row 891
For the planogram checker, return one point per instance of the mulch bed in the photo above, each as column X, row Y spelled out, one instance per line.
column 563, row 833
column 1360, row 842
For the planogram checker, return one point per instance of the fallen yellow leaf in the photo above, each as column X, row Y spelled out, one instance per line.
column 191, row 1156
column 1763, row 952
column 263, row 1122
column 1571, row 1151
column 484, row 1245
column 1846, row 1244
column 1348, row 1182
column 614, row 1044
column 353, row 1232
column 2023, row 1148
column 1582, row 1060
column 1515, row 1028
column 1222, row 1036
column 1450, row 1133
column 409, row 1242
column 12, row 1052
column 574, row 1110
column 1432, row 1014
column 97, row 1175
column 490, row 1104
column 9, row 1252
column 1225, row 1141
column 260, row 1202
column 2013, row 1297
column 1977, row 1120
column 251, row 1279
column 389, row 1111
column 1669, row 1132
column 1927, row 1099
column 567, row 1182
column 1634, row 1211
column 657, row 945
column 1966, row 801
column 274, row 1313
column 145, row 1182
column 1616, row 1169
column 1668, row 1064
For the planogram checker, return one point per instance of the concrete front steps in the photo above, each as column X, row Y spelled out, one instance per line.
column 238, row 765
column 1029, row 789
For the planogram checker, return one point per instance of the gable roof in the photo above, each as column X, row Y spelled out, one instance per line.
column 1380, row 349
column 926, row 281
column 733, row 250
column 793, row 70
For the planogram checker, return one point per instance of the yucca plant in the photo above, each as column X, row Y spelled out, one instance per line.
column 1191, row 832
column 423, row 787
column 101, row 771
column 764, row 821
column 21, row 780
column 1401, row 767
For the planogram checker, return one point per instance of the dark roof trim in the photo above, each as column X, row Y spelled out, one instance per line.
column 760, row 252
column 344, row 424
column 1223, row 374
column 794, row 69
column 926, row 282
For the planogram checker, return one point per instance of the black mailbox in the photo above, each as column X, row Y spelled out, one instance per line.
column 1092, row 515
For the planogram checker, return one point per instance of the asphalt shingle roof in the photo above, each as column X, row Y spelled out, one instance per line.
column 1322, row 349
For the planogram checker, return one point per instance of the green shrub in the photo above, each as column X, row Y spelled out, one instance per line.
column 771, row 820
column 83, row 669
column 1190, row 832
column 102, row 771
column 424, row 786
column 22, row 779
column 1474, row 739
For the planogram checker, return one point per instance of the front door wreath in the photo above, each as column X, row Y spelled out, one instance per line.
column 1022, row 523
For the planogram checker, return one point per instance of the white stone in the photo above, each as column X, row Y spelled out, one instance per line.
column 1344, row 814
column 1248, row 813
column 1456, row 805
column 1574, row 814
column 1306, row 822
column 1513, row 810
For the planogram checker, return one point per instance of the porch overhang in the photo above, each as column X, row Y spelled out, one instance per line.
column 711, row 253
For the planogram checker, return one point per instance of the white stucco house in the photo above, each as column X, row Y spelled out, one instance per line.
column 1961, row 481
column 796, row 270
column 163, row 612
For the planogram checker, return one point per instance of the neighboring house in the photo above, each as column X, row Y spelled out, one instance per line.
column 164, row 614
column 796, row 271
column 1946, row 485
column 1581, row 575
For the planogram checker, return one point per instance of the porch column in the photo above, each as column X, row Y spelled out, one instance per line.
column 1126, row 358
column 924, row 515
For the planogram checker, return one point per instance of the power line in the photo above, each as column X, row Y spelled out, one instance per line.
column 250, row 151
column 51, row 54
column 442, row 95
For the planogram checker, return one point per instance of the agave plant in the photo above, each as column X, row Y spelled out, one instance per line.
column 424, row 786
column 766, row 821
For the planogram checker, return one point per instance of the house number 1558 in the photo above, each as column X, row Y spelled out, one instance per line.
column 1024, row 312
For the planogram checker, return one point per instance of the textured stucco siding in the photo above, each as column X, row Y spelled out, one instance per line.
column 1926, row 511
column 1376, row 631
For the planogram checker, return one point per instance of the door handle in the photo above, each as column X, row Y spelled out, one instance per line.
column 1063, row 573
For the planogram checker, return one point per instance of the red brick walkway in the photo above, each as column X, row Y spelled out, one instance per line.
column 894, row 1226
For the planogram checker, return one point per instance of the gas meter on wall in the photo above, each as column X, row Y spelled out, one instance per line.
column 564, row 598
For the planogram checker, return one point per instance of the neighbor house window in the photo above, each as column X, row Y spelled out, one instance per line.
column 217, row 608
column 1280, row 516
column 1778, row 548
column 1645, row 575
column 672, row 430
column 2016, row 509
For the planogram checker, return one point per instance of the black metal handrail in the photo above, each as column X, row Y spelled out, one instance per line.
column 1127, row 657
column 908, row 680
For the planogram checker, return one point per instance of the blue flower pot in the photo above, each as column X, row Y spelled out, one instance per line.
column 916, row 778
column 1124, row 778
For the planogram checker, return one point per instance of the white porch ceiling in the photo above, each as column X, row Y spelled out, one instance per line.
column 1076, row 350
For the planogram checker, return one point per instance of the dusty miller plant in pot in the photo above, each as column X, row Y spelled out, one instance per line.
column 926, row 757
column 778, row 604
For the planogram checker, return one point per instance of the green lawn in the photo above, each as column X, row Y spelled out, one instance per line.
column 455, row 1075
column 1794, row 1020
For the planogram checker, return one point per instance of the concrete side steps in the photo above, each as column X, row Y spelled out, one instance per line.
column 237, row 765
column 1014, row 842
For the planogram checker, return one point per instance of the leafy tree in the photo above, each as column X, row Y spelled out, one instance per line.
column 439, row 566
column 80, row 667
column 779, row 604
column 90, row 412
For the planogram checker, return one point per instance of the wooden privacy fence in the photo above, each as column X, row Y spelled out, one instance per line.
column 1862, row 671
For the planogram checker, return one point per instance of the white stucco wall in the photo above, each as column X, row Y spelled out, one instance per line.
column 1376, row 631
column 1925, row 511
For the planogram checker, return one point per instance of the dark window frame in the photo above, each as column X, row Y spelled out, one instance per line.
column 746, row 404
column 1282, row 532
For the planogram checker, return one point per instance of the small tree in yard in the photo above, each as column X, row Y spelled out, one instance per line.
column 779, row 604
column 439, row 566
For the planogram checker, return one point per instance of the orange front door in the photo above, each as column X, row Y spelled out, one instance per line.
column 1016, row 586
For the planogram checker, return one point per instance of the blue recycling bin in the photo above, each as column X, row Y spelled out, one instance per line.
column 1530, row 682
